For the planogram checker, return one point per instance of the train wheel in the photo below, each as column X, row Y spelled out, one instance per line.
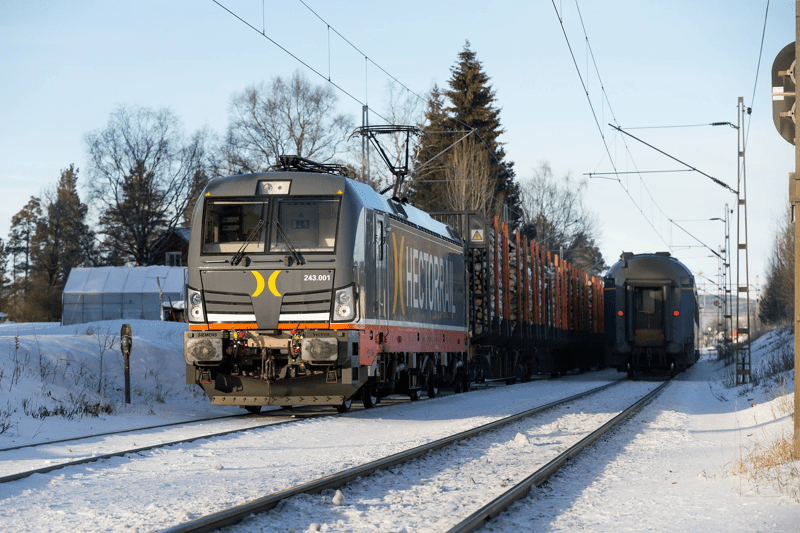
column 345, row 406
column 369, row 397
column 523, row 373
column 432, row 383
column 253, row 409
column 630, row 371
column 465, row 383
column 415, row 394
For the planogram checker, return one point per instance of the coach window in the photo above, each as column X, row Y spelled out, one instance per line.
column 308, row 224
column 648, row 306
column 229, row 222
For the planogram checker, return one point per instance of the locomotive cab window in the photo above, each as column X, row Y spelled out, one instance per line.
column 308, row 224
column 229, row 222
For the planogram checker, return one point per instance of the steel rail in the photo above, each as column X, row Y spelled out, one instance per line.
column 122, row 453
column 123, row 431
column 295, row 417
column 234, row 515
column 480, row 517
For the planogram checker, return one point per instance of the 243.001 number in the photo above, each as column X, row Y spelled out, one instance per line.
column 317, row 277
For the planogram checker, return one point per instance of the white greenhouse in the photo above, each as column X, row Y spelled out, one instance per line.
column 109, row 293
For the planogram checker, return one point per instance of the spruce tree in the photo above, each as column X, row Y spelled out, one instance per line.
column 469, row 105
column 434, row 139
column 20, row 239
column 133, row 225
column 63, row 240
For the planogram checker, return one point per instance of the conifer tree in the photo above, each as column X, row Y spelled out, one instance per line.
column 131, row 227
column 63, row 240
column 430, row 166
column 20, row 239
column 469, row 107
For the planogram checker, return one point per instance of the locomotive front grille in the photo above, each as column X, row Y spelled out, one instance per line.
column 306, row 307
column 229, row 307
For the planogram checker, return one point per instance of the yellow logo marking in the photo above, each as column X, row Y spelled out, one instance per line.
column 271, row 283
column 259, row 283
column 398, row 282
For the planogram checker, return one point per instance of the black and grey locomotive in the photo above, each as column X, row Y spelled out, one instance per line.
column 307, row 287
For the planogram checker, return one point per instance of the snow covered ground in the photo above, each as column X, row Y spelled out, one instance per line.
column 675, row 467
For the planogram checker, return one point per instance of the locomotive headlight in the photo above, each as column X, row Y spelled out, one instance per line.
column 196, row 302
column 196, row 298
column 343, row 308
column 344, row 297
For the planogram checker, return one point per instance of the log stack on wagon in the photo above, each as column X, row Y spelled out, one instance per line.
column 529, row 311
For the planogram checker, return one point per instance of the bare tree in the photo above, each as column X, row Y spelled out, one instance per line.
column 286, row 116
column 554, row 214
column 140, row 170
column 469, row 177
column 777, row 304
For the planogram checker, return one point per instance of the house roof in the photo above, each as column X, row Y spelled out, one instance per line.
column 126, row 280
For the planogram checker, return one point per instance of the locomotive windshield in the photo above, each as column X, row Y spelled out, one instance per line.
column 307, row 223
column 229, row 221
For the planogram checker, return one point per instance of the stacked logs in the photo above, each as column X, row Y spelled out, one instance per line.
column 516, row 280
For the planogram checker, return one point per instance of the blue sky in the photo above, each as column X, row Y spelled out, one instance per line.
column 65, row 66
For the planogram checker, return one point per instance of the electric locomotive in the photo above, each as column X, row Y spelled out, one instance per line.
column 309, row 288
column 650, row 314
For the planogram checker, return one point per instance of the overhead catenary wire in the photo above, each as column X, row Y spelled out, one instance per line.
column 363, row 104
column 712, row 178
column 592, row 174
column 600, row 129
column 695, row 238
column 309, row 67
column 758, row 68
column 680, row 126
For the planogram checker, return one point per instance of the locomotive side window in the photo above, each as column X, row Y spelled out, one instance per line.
column 308, row 223
column 228, row 222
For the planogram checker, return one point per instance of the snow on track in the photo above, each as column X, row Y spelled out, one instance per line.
column 435, row 492
column 167, row 486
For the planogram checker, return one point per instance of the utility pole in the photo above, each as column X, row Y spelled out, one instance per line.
column 742, row 350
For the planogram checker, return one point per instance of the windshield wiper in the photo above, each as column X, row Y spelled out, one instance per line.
column 237, row 258
column 292, row 249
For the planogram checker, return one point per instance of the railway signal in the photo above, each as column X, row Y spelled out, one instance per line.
column 783, row 92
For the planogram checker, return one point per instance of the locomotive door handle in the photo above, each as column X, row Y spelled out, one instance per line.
column 380, row 239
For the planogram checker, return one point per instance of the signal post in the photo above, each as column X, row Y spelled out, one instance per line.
column 784, row 76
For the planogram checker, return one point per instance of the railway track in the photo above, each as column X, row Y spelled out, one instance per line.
column 64, row 455
column 13, row 466
column 502, row 502
column 182, row 482
column 237, row 513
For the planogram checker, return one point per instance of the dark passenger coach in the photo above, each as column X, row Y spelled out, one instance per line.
column 650, row 314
